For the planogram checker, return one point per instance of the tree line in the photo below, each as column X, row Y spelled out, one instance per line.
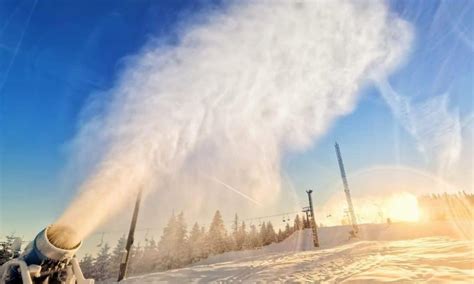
column 9, row 248
column 178, row 247
column 454, row 206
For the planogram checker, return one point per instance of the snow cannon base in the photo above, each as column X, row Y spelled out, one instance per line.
column 44, row 262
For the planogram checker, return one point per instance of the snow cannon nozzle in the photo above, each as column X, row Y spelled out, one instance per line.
column 62, row 237
column 54, row 243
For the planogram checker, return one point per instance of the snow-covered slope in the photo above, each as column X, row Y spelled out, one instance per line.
column 396, row 252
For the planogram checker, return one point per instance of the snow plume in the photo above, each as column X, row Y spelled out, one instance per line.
column 436, row 129
column 242, row 86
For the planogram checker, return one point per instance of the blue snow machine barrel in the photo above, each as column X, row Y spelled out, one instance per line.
column 44, row 262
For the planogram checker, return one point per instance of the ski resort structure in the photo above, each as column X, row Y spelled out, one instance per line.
column 346, row 191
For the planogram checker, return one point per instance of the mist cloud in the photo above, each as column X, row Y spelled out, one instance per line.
column 242, row 87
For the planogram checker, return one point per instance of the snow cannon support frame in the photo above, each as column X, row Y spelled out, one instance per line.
column 43, row 262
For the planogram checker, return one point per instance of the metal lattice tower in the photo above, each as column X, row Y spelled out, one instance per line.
column 346, row 189
column 313, row 221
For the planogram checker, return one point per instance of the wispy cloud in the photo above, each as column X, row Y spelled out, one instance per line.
column 435, row 127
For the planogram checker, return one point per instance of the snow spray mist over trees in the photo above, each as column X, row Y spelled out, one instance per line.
column 242, row 86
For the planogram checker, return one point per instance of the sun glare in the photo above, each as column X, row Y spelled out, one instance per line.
column 404, row 207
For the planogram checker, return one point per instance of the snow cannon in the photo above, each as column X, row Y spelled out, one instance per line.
column 49, row 258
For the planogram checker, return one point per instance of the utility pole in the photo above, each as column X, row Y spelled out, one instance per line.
column 346, row 190
column 313, row 222
column 130, row 239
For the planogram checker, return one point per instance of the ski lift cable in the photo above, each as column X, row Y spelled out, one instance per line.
column 270, row 216
column 148, row 229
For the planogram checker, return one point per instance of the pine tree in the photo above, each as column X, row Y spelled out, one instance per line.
column 149, row 255
column 288, row 230
column 297, row 224
column 116, row 257
column 87, row 266
column 217, row 237
column 10, row 248
column 241, row 236
column 262, row 234
column 195, row 237
column 269, row 234
column 248, row 240
column 253, row 238
column 198, row 243
column 166, row 244
column 183, row 251
column 203, row 243
column 280, row 236
column 102, row 263
column 135, row 263
column 235, row 233
column 173, row 248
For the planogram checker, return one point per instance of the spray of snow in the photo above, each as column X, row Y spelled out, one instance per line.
column 242, row 86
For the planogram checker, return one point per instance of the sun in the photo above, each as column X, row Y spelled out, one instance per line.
column 403, row 207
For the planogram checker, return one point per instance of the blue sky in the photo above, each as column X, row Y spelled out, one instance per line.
column 54, row 55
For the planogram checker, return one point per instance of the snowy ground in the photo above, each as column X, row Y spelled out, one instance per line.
column 397, row 252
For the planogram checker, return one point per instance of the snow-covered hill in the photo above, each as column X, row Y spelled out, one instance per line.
column 397, row 252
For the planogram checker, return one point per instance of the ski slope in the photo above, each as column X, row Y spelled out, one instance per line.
column 400, row 252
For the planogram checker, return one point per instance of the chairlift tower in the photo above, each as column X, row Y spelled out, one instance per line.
column 346, row 190
column 313, row 221
column 307, row 211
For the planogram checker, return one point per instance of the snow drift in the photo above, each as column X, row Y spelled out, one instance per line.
column 400, row 252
